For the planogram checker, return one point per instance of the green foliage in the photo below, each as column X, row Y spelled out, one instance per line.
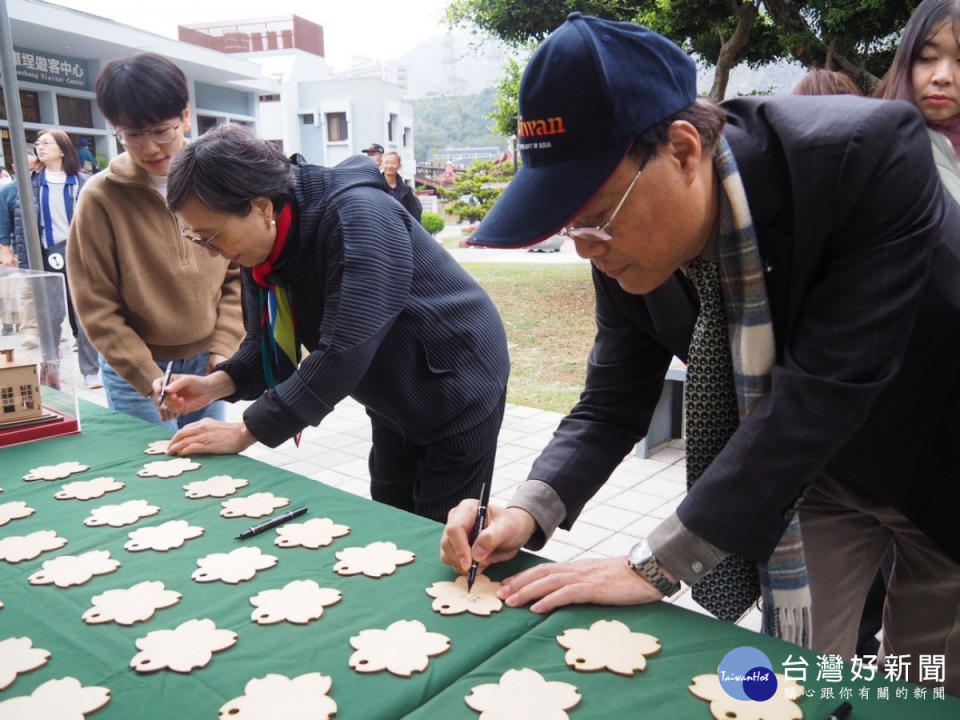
column 504, row 114
column 856, row 36
column 432, row 222
column 483, row 182
column 457, row 121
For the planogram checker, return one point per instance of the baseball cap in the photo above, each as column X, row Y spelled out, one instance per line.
column 590, row 88
column 374, row 148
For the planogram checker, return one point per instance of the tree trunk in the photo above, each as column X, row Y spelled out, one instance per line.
column 787, row 15
column 730, row 49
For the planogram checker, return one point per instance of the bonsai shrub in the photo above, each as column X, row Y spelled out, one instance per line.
column 432, row 222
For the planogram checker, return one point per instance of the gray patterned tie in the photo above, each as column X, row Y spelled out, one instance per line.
column 712, row 417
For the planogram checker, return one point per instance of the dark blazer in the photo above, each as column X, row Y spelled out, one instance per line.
column 862, row 258
column 388, row 316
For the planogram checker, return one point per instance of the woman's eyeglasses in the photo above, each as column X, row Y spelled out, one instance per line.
column 136, row 138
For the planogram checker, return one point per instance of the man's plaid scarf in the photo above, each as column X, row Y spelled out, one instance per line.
column 783, row 578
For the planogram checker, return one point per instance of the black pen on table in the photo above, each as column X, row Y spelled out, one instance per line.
column 478, row 526
column 272, row 522
column 166, row 379
column 842, row 712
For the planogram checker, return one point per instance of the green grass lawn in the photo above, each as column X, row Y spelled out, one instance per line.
column 548, row 313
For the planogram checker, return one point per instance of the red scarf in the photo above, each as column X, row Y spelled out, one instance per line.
column 263, row 270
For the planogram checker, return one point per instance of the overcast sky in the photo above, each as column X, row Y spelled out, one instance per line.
column 377, row 29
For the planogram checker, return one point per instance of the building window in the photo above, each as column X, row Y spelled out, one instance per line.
column 205, row 122
column 6, row 399
column 29, row 105
column 307, row 119
column 390, row 125
column 407, row 132
column 336, row 127
column 269, row 98
column 26, row 396
column 74, row 111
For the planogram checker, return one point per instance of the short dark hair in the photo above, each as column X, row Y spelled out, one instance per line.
column 820, row 81
column 706, row 117
column 228, row 167
column 71, row 163
column 141, row 90
column 897, row 84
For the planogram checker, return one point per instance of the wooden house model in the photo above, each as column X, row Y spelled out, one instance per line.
column 19, row 390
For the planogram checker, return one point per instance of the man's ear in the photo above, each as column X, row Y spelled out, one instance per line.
column 685, row 146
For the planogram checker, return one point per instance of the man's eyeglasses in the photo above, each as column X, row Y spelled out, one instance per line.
column 136, row 138
column 206, row 243
column 600, row 233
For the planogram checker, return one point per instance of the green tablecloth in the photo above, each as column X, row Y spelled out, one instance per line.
column 481, row 648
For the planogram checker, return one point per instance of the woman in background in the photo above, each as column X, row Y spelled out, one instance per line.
column 926, row 72
column 56, row 191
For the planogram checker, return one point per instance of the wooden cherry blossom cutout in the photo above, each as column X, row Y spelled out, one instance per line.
column 521, row 695
column 313, row 534
column 64, row 699
column 233, row 567
column 17, row 655
column 185, row 648
column 157, row 447
column 608, row 645
column 17, row 548
column 69, row 570
column 126, row 606
column 276, row 696
column 168, row 468
column 452, row 598
column 257, row 505
column 88, row 489
column 14, row 510
column 402, row 649
column 217, row 486
column 297, row 602
column 167, row 536
column 723, row 707
column 126, row 513
column 55, row 472
column 375, row 560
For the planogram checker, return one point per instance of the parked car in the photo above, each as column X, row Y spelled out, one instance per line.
column 551, row 244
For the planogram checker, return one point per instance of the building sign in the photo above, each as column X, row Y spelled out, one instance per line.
column 50, row 69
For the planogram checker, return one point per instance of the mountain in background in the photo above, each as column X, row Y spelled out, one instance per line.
column 457, row 63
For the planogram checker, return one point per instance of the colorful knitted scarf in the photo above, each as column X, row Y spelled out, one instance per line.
column 279, row 342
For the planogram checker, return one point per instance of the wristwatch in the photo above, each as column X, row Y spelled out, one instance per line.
column 644, row 564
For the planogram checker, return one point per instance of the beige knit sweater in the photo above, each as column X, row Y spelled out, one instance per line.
column 140, row 289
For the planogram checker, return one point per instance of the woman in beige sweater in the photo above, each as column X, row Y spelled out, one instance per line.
column 145, row 296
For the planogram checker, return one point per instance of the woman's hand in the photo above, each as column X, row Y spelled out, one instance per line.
column 211, row 437
column 507, row 530
column 214, row 359
column 606, row 581
column 7, row 257
column 189, row 393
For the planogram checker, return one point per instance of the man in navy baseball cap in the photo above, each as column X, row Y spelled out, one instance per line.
column 773, row 244
column 587, row 92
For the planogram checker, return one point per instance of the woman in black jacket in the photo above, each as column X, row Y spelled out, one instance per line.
column 332, row 264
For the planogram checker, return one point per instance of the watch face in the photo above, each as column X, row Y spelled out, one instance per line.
column 639, row 553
